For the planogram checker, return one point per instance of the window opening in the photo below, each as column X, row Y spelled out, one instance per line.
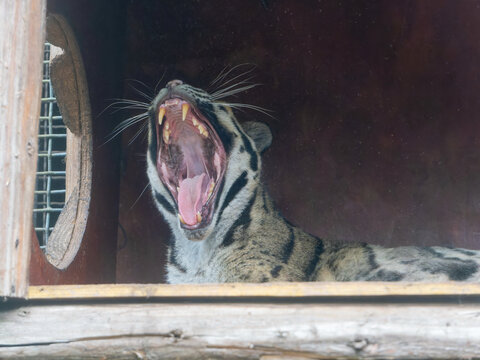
column 51, row 165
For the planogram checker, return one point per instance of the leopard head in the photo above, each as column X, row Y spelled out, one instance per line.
column 203, row 165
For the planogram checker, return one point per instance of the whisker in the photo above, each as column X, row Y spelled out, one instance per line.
column 236, row 77
column 126, row 124
column 131, row 120
column 141, row 83
column 240, row 106
column 255, row 107
column 224, row 75
column 149, row 94
column 221, row 77
column 139, row 196
column 130, row 101
column 218, row 76
column 128, row 106
column 141, row 105
column 138, row 91
column 246, row 81
column 159, row 81
column 235, row 88
column 234, row 91
column 117, row 108
column 114, row 104
column 138, row 133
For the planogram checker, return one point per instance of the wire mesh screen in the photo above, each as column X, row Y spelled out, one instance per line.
column 52, row 144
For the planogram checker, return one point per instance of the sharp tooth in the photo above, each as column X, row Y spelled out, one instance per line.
column 185, row 107
column 210, row 190
column 199, row 217
column 161, row 114
column 166, row 135
column 194, row 121
column 167, row 125
column 202, row 130
column 181, row 219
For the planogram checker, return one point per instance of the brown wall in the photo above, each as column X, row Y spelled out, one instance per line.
column 376, row 136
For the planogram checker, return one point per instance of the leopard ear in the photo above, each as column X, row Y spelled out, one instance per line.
column 260, row 134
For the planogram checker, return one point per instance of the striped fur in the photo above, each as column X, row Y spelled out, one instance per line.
column 249, row 241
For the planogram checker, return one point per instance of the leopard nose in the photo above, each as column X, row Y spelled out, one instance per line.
column 173, row 83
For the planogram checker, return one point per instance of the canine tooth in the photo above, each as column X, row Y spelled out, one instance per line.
column 161, row 114
column 185, row 107
column 194, row 121
column 166, row 135
column 181, row 219
column 199, row 217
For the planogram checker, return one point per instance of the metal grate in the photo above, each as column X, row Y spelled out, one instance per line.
column 52, row 144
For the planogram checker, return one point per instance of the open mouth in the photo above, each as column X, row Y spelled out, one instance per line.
column 190, row 162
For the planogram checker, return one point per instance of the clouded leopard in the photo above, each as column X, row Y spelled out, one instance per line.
column 204, row 169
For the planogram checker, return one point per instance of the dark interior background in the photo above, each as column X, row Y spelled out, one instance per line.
column 376, row 129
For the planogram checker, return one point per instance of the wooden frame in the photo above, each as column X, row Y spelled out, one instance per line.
column 258, row 321
column 69, row 81
column 21, row 44
column 246, row 321
column 299, row 291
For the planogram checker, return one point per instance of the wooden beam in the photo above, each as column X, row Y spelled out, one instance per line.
column 297, row 290
column 21, row 54
column 233, row 331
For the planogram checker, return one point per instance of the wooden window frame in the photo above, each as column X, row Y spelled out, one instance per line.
column 261, row 321
column 69, row 81
column 22, row 37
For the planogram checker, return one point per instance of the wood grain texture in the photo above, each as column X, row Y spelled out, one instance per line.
column 97, row 28
column 239, row 331
column 21, row 47
column 242, row 290
column 70, row 82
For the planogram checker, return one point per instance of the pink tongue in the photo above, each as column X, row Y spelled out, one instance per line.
column 189, row 198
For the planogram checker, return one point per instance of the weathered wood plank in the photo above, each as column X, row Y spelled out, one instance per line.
column 21, row 47
column 192, row 331
column 311, row 289
column 70, row 84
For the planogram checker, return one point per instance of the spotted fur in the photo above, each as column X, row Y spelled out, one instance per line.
column 249, row 241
